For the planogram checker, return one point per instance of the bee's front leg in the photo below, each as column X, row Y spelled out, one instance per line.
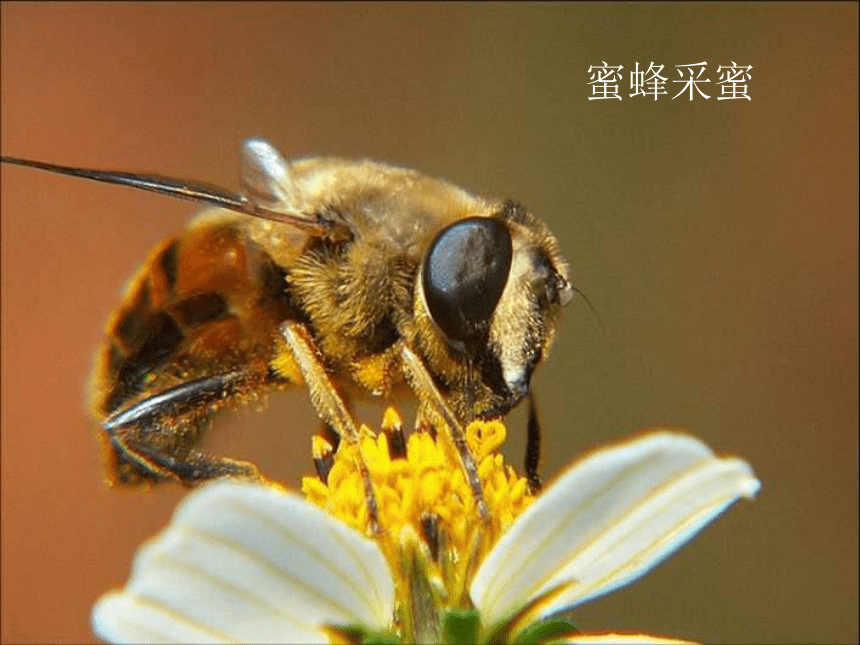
column 422, row 384
column 533, row 449
column 328, row 403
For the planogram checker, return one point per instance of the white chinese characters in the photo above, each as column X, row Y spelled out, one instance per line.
column 604, row 81
column 733, row 81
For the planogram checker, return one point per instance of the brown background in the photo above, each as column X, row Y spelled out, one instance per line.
column 716, row 239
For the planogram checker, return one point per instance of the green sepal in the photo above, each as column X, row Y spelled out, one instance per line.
column 380, row 638
column 546, row 630
column 460, row 627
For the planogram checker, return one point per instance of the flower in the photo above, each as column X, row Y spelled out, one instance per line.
column 243, row 562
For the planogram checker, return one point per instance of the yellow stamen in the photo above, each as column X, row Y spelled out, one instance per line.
column 425, row 503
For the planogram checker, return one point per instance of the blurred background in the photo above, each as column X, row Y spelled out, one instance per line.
column 717, row 240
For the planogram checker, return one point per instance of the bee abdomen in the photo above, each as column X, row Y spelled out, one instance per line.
column 205, row 302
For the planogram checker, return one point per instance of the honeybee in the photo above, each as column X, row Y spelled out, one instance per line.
column 344, row 276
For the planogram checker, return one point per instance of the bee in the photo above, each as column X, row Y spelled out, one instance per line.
column 345, row 276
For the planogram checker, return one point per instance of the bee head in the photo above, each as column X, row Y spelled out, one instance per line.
column 491, row 288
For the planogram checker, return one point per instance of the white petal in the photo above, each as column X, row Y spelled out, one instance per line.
column 607, row 521
column 625, row 639
column 248, row 563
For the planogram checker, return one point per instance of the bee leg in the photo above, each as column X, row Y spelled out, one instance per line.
column 422, row 384
column 328, row 433
column 328, row 403
column 324, row 446
column 129, row 465
column 136, row 460
column 533, row 440
column 149, row 442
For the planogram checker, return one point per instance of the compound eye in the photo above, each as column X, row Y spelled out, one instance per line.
column 465, row 273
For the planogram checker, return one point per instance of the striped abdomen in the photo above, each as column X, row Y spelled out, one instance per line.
column 206, row 302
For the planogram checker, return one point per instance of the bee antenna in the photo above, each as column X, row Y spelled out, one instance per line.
column 590, row 307
column 195, row 191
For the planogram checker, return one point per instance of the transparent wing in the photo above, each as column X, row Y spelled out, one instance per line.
column 270, row 187
column 268, row 191
column 265, row 176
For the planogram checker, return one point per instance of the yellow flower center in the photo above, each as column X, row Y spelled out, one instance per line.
column 430, row 529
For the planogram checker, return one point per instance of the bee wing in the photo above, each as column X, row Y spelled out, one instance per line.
column 266, row 178
column 268, row 189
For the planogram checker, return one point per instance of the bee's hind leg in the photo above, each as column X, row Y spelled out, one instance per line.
column 135, row 462
column 152, row 440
